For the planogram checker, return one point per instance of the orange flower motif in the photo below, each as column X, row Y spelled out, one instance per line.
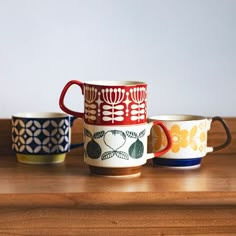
column 201, row 148
column 202, row 137
column 179, row 138
column 192, row 141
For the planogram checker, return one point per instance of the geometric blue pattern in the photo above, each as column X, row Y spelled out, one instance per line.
column 41, row 136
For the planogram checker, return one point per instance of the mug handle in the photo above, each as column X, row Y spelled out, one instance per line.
column 74, row 145
column 62, row 97
column 168, row 137
column 227, row 131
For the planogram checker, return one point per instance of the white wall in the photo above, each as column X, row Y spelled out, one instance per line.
column 184, row 49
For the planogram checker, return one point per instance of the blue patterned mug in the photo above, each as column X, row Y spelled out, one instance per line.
column 42, row 138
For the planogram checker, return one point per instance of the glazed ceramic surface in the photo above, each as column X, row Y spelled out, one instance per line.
column 41, row 159
column 37, row 137
column 110, row 102
column 189, row 139
column 118, row 146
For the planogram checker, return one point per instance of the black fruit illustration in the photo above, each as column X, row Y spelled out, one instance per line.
column 114, row 139
column 93, row 149
column 136, row 149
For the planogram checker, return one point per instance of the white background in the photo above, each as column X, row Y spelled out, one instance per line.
column 184, row 49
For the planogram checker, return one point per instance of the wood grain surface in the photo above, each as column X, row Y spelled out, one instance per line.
column 65, row 199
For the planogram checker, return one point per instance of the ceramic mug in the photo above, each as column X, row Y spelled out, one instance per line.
column 110, row 102
column 189, row 139
column 119, row 150
column 42, row 138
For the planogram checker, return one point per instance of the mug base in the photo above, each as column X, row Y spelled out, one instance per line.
column 116, row 172
column 40, row 159
column 190, row 163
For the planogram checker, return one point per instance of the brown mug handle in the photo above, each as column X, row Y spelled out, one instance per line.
column 227, row 131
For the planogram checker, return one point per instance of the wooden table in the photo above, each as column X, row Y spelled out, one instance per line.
column 64, row 199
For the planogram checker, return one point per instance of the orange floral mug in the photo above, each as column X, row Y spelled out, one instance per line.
column 189, row 139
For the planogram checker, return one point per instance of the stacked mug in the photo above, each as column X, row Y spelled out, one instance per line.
column 115, row 126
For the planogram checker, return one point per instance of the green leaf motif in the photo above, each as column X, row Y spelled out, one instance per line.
column 118, row 132
column 136, row 150
column 122, row 155
column 98, row 134
column 88, row 133
column 142, row 133
column 131, row 134
column 107, row 155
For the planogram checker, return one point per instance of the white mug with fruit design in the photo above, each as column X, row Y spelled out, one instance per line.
column 119, row 150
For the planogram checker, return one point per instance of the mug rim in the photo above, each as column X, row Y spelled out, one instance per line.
column 108, row 83
column 177, row 117
column 39, row 115
column 117, row 126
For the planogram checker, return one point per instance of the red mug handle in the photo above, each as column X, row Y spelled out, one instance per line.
column 168, row 137
column 63, row 94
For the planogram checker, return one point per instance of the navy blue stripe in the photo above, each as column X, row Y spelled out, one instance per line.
column 176, row 162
